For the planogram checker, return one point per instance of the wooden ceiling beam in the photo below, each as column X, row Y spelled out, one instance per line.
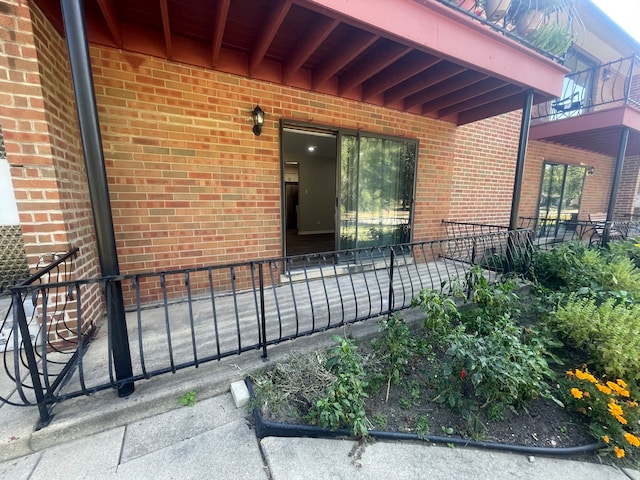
column 108, row 10
column 220, row 20
column 279, row 11
column 309, row 43
column 482, row 98
column 435, row 75
column 166, row 28
column 507, row 104
column 481, row 88
column 373, row 64
column 402, row 70
column 355, row 44
column 446, row 87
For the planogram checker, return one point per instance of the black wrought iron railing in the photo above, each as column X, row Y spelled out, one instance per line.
column 547, row 27
column 465, row 229
column 551, row 231
column 606, row 86
column 184, row 318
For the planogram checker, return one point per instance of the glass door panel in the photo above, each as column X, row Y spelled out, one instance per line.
column 376, row 191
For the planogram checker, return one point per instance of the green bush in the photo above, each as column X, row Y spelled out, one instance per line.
column 343, row 402
column 608, row 333
column 505, row 366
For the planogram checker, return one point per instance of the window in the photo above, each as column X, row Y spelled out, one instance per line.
column 561, row 191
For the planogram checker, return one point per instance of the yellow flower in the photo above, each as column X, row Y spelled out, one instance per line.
column 605, row 439
column 624, row 393
column 580, row 375
column 621, row 419
column 604, row 389
column 570, row 373
column 591, row 378
column 614, row 386
column 614, row 408
column 632, row 439
column 619, row 451
column 632, row 404
column 621, row 382
column 576, row 393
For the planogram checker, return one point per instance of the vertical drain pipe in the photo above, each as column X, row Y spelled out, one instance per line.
column 617, row 174
column 522, row 152
column 80, row 64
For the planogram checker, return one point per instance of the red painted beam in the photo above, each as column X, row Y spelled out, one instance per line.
column 279, row 11
column 310, row 42
column 482, row 99
column 437, row 74
column 463, row 80
column 108, row 10
column 372, row 64
column 403, row 69
column 166, row 28
column 354, row 46
column 457, row 96
column 220, row 20
column 440, row 30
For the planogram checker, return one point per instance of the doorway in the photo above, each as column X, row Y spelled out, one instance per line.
column 346, row 190
column 309, row 168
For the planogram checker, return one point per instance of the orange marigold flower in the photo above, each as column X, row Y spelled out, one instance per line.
column 580, row 375
column 603, row 388
column 605, row 438
column 632, row 439
column 577, row 393
column 619, row 451
column 570, row 373
column 614, row 408
column 614, row 386
column 624, row 393
column 591, row 378
column 621, row 382
column 632, row 404
column 621, row 419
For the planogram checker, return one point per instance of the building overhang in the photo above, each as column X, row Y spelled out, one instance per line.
column 596, row 131
column 418, row 56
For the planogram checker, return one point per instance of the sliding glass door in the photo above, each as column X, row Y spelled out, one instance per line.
column 376, row 183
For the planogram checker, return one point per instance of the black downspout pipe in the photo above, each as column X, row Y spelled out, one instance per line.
column 80, row 64
column 622, row 151
column 522, row 152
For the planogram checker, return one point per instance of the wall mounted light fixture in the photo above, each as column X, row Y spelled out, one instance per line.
column 590, row 170
column 258, row 120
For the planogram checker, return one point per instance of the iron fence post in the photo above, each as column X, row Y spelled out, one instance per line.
column 263, row 317
column 20, row 319
column 392, row 261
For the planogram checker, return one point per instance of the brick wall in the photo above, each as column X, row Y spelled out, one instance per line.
column 190, row 183
column 628, row 189
column 41, row 139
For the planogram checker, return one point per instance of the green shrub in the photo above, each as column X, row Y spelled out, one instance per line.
column 505, row 366
column 343, row 402
column 608, row 333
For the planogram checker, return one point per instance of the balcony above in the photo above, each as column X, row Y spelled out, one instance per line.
column 426, row 57
column 594, row 107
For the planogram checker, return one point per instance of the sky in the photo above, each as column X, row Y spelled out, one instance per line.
column 625, row 13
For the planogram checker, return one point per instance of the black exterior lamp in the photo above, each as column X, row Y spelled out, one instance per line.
column 258, row 120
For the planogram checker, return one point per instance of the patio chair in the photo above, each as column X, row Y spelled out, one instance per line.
column 599, row 223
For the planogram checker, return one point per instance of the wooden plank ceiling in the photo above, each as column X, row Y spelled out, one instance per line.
column 306, row 45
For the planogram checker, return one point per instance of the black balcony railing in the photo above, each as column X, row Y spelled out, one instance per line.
column 606, row 86
column 184, row 318
column 547, row 27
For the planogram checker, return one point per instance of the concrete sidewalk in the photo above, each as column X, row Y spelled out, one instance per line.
column 214, row 439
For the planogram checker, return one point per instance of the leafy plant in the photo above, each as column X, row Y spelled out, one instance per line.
column 188, row 399
column 439, row 309
column 343, row 402
column 608, row 333
column 505, row 366
column 395, row 347
column 614, row 415
column 422, row 426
